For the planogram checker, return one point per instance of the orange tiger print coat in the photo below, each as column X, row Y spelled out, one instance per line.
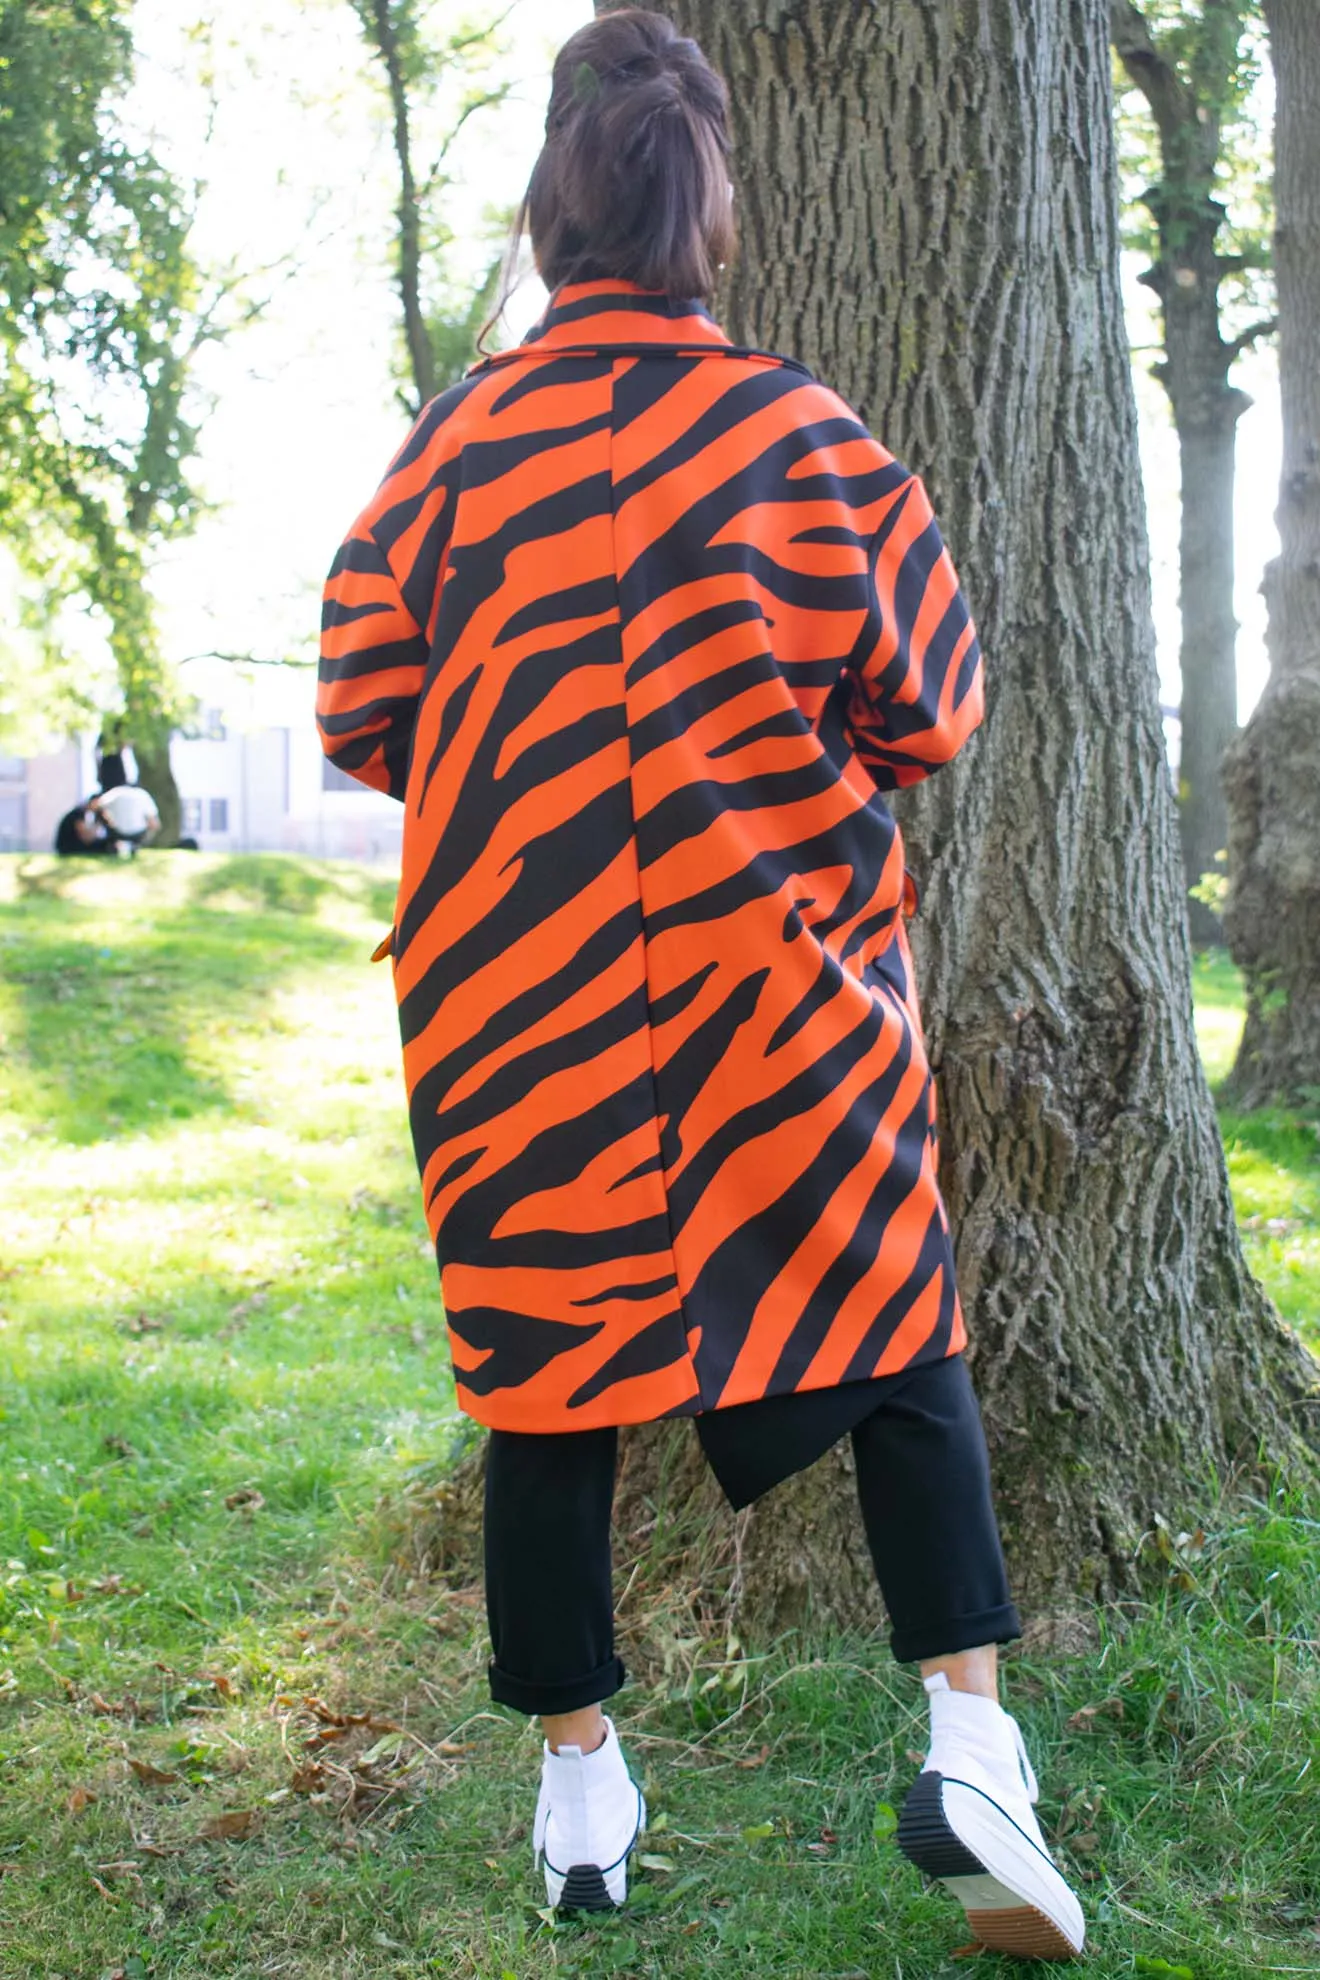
column 638, row 628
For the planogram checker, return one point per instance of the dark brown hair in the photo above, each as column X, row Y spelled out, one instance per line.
column 633, row 181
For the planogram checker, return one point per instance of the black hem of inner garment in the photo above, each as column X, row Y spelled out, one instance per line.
column 752, row 1447
column 540, row 1700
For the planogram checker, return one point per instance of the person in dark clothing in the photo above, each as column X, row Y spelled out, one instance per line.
column 110, row 766
column 80, row 833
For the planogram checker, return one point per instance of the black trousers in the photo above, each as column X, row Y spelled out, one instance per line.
column 923, row 1481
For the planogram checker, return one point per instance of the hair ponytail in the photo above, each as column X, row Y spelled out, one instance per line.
column 632, row 183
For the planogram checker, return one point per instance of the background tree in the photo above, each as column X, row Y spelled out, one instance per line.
column 928, row 207
column 1193, row 67
column 1273, row 917
column 442, row 78
column 96, row 290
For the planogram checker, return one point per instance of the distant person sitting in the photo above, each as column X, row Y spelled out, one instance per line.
column 129, row 815
column 80, row 832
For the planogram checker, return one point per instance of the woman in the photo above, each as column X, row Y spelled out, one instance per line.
column 638, row 627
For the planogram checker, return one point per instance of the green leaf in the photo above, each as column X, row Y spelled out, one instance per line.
column 662, row 1863
column 884, row 1822
column 759, row 1832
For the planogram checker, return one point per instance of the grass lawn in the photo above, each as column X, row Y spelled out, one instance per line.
column 240, row 1735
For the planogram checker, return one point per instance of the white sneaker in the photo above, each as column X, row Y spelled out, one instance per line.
column 968, row 1820
column 588, row 1819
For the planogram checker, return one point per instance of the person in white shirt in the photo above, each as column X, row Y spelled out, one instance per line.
column 129, row 815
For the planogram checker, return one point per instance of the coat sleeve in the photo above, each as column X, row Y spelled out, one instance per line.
column 915, row 672
column 378, row 605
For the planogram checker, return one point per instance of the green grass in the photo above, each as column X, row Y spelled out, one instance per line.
column 223, row 1363
column 1273, row 1162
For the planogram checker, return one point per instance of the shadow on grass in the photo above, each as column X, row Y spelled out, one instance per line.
column 120, row 1008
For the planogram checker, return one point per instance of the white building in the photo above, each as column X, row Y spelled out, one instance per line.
column 250, row 772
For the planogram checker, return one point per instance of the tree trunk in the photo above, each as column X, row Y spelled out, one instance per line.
column 384, row 32
column 155, row 774
column 1206, row 408
column 1208, row 651
column 928, row 210
column 1273, row 917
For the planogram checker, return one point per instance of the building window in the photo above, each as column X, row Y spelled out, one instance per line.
column 219, row 814
column 213, row 724
column 192, row 815
column 335, row 779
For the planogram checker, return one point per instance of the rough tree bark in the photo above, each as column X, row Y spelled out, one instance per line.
column 928, row 207
column 1273, row 917
column 1186, row 277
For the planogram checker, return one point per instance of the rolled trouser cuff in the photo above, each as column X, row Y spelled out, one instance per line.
column 540, row 1701
column 918, row 1644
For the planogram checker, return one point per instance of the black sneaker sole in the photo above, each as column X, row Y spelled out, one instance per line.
column 925, row 1837
column 584, row 1890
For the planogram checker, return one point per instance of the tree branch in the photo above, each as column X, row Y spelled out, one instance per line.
column 1265, row 328
column 1171, row 102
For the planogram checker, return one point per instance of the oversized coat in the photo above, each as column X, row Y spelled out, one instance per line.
column 638, row 627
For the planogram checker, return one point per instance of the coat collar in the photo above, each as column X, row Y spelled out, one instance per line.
column 603, row 313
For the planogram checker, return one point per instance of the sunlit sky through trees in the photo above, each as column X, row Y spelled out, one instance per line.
column 277, row 111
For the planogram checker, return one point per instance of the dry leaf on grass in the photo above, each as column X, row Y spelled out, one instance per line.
column 754, row 1760
column 247, row 1499
column 1111, row 1707
column 223, row 1685
column 79, row 1798
column 142, row 1323
column 151, row 1776
column 235, row 1825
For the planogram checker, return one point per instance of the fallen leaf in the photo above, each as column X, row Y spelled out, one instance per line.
column 222, row 1684
column 1085, row 1845
column 104, row 1889
column 1111, row 1707
column 247, row 1499
column 755, row 1760
column 72, row 1593
column 78, row 1799
column 664, row 1864
column 151, row 1776
column 884, row 1822
column 235, row 1825
column 758, row 1832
